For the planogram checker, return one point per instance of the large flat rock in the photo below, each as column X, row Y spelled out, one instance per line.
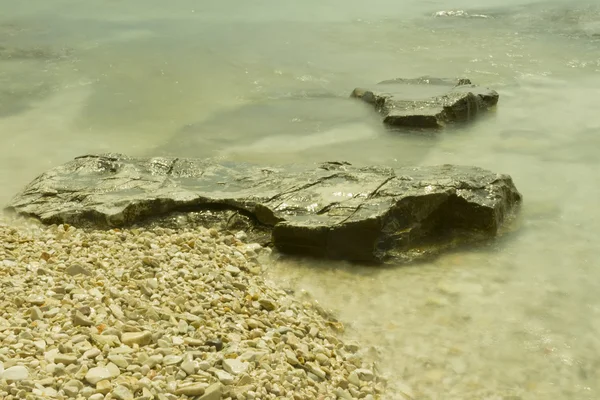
column 427, row 102
column 334, row 210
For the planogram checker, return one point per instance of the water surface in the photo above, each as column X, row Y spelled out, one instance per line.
column 268, row 81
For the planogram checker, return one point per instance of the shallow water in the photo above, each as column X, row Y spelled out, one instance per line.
column 268, row 82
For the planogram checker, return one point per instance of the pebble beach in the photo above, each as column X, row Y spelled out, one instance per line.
column 162, row 314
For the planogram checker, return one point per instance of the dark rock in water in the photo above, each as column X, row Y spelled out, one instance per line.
column 336, row 210
column 427, row 102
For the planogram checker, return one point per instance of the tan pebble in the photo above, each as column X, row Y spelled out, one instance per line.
column 92, row 353
column 224, row 377
column 354, row 379
column 71, row 391
column 182, row 326
column 139, row 338
column 365, row 374
column 153, row 361
column 193, row 342
column 172, row 360
column 234, row 366
column 35, row 313
column 81, row 320
column 119, row 360
column 77, row 269
column 97, row 374
column 213, row 392
column 121, row 392
column 15, row 373
column 65, row 359
column 36, row 300
column 104, row 386
column 267, row 304
column 193, row 389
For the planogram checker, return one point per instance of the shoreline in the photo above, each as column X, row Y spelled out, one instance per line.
column 160, row 314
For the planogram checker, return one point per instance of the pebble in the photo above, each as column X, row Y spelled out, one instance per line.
column 139, row 338
column 77, row 269
column 104, row 386
column 121, row 392
column 182, row 326
column 81, row 320
column 15, row 373
column 189, row 366
column 97, row 374
column 213, row 392
column 235, row 366
column 193, row 389
column 70, row 391
column 160, row 314
column 36, row 314
column 65, row 359
column 92, row 353
column 224, row 377
column 172, row 360
column 36, row 299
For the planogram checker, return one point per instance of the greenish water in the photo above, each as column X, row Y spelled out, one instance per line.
column 268, row 81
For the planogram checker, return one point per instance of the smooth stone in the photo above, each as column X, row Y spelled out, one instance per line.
column 121, row 392
column 97, row 374
column 75, row 383
column 104, row 386
column 77, row 269
column 40, row 344
column 194, row 389
column 177, row 341
column 354, row 379
column 15, row 373
column 213, row 392
column 97, row 396
column 234, row 366
column 365, row 374
column 36, row 314
column 36, row 300
column 81, row 320
column 182, row 326
column 65, row 359
column 172, row 360
column 86, row 392
column 47, row 392
column 70, row 390
column 113, row 369
column 92, row 353
column 189, row 366
column 267, row 304
column 118, row 360
column 153, row 361
column 204, row 365
column 224, row 377
column 232, row 270
column 139, row 338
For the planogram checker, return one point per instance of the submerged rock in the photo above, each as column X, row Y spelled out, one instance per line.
column 335, row 210
column 427, row 102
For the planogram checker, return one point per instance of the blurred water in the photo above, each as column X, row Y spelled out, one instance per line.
column 268, row 81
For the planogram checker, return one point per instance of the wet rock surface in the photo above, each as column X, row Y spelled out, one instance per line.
column 427, row 102
column 335, row 210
